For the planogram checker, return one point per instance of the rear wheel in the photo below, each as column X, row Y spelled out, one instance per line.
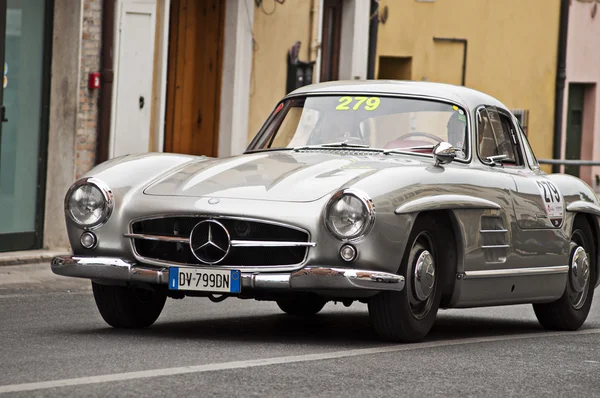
column 408, row 315
column 128, row 307
column 571, row 310
column 302, row 306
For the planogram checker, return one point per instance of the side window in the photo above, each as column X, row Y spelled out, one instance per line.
column 497, row 140
column 531, row 159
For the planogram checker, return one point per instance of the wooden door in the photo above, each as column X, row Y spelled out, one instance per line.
column 194, row 76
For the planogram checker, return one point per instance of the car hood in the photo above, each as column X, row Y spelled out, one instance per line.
column 279, row 175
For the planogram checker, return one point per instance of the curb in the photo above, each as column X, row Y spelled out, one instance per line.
column 30, row 257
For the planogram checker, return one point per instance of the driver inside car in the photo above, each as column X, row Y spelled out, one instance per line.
column 456, row 126
column 337, row 129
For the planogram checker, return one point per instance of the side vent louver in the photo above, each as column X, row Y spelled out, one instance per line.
column 494, row 239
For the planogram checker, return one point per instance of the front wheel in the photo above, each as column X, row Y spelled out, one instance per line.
column 302, row 306
column 408, row 315
column 571, row 310
column 128, row 307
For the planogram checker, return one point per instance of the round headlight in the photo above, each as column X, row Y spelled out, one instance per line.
column 350, row 214
column 89, row 203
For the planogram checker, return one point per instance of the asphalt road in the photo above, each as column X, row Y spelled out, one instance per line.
column 53, row 342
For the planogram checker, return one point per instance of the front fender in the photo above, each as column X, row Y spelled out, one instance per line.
column 445, row 202
column 125, row 176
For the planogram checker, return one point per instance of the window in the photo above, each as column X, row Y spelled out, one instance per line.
column 531, row 159
column 497, row 140
column 522, row 116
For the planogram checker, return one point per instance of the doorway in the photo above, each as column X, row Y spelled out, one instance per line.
column 574, row 126
column 581, row 108
column 25, row 39
column 132, row 98
column 330, row 46
column 194, row 76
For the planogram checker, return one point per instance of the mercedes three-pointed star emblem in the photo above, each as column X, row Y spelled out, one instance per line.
column 210, row 241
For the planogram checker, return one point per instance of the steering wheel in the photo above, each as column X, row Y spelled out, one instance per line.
column 421, row 134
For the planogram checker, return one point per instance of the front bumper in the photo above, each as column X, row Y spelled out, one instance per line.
column 305, row 279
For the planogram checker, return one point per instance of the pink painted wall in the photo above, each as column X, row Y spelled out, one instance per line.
column 583, row 66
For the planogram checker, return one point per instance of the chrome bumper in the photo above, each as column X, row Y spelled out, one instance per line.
column 308, row 278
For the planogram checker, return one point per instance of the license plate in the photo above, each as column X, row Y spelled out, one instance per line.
column 205, row 280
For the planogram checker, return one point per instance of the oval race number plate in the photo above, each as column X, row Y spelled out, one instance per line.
column 205, row 280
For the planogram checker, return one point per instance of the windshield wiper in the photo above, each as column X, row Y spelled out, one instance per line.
column 334, row 145
column 344, row 144
column 407, row 149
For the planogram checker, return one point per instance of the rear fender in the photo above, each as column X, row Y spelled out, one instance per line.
column 580, row 198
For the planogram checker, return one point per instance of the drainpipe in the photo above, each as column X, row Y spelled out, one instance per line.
column 561, row 75
column 311, row 19
column 373, row 28
column 107, row 75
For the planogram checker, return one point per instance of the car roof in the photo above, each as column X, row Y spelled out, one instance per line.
column 467, row 97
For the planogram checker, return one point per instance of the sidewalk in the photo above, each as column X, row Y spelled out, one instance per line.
column 37, row 277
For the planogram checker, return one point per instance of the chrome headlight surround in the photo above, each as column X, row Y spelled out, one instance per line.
column 107, row 205
column 367, row 206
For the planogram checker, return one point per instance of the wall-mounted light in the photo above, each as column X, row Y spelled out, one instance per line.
column 384, row 15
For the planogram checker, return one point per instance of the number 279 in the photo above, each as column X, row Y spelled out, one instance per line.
column 551, row 194
column 370, row 103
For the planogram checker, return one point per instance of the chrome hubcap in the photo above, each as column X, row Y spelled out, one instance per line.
column 580, row 270
column 422, row 285
column 424, row 278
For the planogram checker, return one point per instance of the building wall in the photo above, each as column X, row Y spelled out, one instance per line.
column 87, row 115
column 512, row 51
column 63, row 120
column 583, row 66
column 274, row 35
column 73, row 108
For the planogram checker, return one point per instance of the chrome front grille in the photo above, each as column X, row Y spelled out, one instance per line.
column 251, row 242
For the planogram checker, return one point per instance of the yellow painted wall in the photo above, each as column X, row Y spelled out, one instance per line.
column 275, row 34
column 512, row 51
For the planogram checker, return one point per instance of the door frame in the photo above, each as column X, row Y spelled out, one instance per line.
column 235, row 75
column 27, row 240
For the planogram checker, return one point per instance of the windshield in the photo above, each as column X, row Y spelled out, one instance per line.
column 378, row 122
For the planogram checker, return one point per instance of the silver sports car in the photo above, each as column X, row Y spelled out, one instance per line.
column 406, row 196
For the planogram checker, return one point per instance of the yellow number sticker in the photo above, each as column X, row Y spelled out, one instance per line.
column 369, row 103
column 372, row 103
column 343, row 106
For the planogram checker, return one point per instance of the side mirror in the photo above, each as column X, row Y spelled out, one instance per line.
column 443, row 153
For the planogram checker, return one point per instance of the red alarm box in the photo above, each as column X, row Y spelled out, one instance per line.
column 94, row 80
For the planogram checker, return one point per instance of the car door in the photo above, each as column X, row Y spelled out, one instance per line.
column 538, row 203
column 496, row 228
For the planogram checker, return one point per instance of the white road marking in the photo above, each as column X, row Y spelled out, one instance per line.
column 144, row 374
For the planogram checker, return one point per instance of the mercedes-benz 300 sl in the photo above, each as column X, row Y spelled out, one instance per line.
column 406, row 196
